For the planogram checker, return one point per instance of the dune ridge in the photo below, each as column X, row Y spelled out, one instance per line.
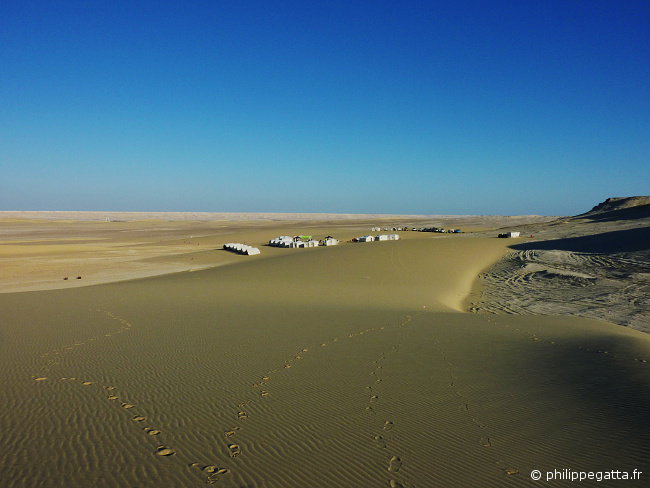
column 41, row 255
column 348, row 366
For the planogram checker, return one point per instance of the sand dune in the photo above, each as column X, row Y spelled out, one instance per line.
column 39, row 255
column 594, row 265
column 349, row 366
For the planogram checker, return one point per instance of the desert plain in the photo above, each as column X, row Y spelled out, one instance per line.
column 438, row 360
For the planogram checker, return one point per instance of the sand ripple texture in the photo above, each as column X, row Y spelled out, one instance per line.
column 171, row 382
column 611, row 287
column 404, row 403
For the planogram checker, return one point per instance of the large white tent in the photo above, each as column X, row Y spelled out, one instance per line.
column 241, row 248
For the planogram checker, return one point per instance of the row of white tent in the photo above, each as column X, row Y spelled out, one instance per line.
column 287, row 241
column 283, row 241
column 241, row 248
column 379, row 229
column 381, row 237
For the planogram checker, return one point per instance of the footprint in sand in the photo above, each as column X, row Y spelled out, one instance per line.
column 165, row 451
column 214, row 477
column 234, row 449
column 41, row 378
column 264, row 393
column 485, row 442
column 127, row 405
column 395, row 484
column 242, row 415
column 139, row 418
column 394, row 464
column 151, row 431
column 87, row 383
column 388, row 425
column 380, row 441
column 113, row 397
column 210, row 469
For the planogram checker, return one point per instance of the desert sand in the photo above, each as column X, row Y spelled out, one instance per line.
column 594, row 265
column 352, row 366
column 39, row 249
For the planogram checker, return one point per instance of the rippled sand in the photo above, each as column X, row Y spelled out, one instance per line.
column 351, row 366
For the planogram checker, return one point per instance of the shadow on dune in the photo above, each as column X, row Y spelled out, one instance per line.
column 608, row 242
column 604, row 373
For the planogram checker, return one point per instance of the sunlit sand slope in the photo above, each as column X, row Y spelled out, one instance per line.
column 339, row 367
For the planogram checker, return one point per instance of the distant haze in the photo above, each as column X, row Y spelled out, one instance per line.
column 337, row 107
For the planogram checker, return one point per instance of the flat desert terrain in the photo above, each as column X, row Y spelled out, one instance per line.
column 174, row 363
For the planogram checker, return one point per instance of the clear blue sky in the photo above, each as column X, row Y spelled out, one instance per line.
column 484, row 107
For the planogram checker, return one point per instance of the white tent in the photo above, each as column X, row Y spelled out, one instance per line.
column 281, row 241
column 330, row 242
column 366, row 239
column 241, row 248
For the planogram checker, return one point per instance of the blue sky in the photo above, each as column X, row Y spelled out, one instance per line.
column 495, row 107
